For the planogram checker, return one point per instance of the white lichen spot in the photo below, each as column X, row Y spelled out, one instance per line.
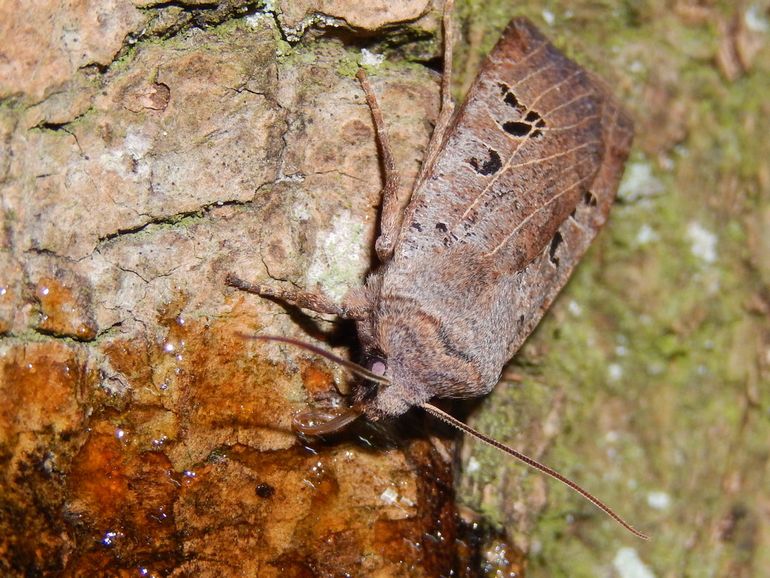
column 369, row 58
column 293, row 178
column 168, row 347
column 614, row 371
column 639, row 183
column 755, row 19
column 637, row 67
column 646, row 235
column 300, row 212
column 628, row 564
column 294, row 33
column 135, row 147
column 338, row 261
column 389, row 496
column 659, row 500
column 255, row 20
column 473, row 465
column 703, row 243
column 548, row 17
column 574, row 308
column 137, row 144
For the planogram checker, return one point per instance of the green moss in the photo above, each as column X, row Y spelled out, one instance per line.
column 650, row 343
column 349, row 65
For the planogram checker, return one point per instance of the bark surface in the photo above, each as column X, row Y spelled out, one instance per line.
column 147, row 149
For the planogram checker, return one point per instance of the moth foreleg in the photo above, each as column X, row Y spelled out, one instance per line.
column 314, row 301
column 447, row 104
column 390, row 216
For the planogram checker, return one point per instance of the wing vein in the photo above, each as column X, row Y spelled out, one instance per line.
column 523, row 141
column 526, row 219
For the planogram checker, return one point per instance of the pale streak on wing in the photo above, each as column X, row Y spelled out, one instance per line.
column 526, row 219
column 526, row 138
column 550, row 89
column 508, row 166
column 571, row 101
column 569, row 126
column 492, row 181
column 556, row 155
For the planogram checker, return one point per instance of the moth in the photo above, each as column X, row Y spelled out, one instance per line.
column 514, row 187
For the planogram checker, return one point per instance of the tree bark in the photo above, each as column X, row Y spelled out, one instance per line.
column 151, row 148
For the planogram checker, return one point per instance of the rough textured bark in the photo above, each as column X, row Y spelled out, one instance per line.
column 150, row 148
column 148, row 151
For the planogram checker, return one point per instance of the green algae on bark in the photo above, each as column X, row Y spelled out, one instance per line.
column 659, row 345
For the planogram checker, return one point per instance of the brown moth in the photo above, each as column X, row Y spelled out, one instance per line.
column 513, row 189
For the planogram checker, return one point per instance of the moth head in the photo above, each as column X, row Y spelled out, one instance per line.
column 398, row 391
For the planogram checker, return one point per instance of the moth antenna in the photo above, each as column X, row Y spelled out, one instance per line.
column 349, row 365
column 445, row 417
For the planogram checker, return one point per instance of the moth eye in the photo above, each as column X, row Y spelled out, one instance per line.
column 377, row 365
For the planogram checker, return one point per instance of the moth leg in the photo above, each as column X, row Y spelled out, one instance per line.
column 314, row 301
column 447, row 104
column 390, row 217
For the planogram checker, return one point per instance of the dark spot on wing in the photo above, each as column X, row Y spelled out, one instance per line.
column 555, row 242
column 509, row 98
column 489, row 166
column 516, row 128
column 416, row 226
column 441, row 227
